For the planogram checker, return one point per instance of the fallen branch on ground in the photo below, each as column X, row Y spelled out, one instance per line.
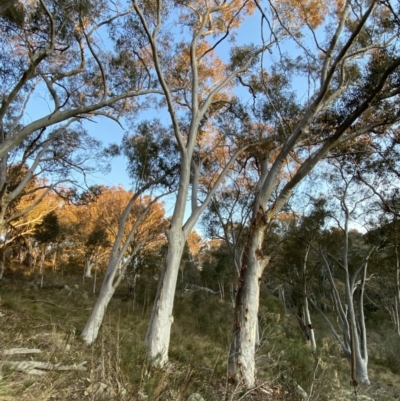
column 17, row 351
column 40, row 368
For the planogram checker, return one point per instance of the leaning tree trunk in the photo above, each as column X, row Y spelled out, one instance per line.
column 307, row 316
column 309, row 325
column 91, row 330
column 159, row 331
column 242, row 351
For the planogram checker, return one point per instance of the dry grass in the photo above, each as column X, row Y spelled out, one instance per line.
column 51, row 319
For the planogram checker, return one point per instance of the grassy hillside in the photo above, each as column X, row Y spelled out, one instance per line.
column 51, row 319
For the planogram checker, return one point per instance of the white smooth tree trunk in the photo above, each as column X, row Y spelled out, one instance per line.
column 242, row 367
column 88, row 267
column 110, row 283
column 159, row 331
column 307, row 316
column 54, row 260
column 354, row 337
column 397, row 313
column 91, row 330
column 309, row 325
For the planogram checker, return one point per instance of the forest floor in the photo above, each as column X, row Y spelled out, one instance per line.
column 51, row 318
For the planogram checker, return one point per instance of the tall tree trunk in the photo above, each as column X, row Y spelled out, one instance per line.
column 91, row 330
column 109, row 283
column 358, row 361
column 54, row 260
column 242, row 351
column 307, row 316
column 397, row 313
column 308, row 324
column 42, row 260
column 88, row 267
column 159, row 331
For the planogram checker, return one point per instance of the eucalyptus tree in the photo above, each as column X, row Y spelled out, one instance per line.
column 47, row 234
column 227, row 216
column 391, row 288
column 380, row 172
column 152, row 165
column 96, row 246
column 197, row 87
column 353, row 90
column 61, row 59
column 383, row 292
column 348, row 263
column 298, row 263
column 61, row 64
column 146, row 227
column 46, row 163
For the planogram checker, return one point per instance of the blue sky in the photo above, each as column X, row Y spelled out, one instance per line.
column 109, row 131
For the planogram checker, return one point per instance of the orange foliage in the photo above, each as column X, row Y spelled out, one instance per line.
column 105, row 213
column 297, row 13
column 195, row 243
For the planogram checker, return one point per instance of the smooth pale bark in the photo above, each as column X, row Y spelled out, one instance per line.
column 88, row 267
column 91, row 330
column 307, row 316
column 54, row 260
column 357, row 334
column 354, row 342
column 309, row 325
column 339, row 49
column 201, row 100
column 245, row 329
column 159, row 331
column 397, row 314
column 115, row 263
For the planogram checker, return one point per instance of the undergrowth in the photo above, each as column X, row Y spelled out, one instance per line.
column 51, row 319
